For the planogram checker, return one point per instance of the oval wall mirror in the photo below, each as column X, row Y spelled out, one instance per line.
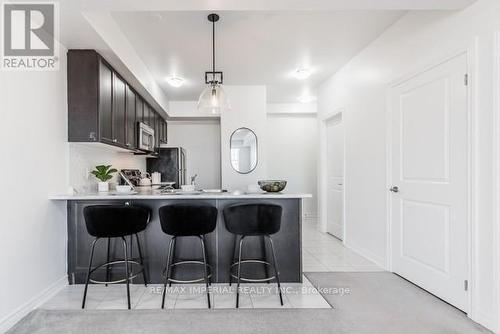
column 243, row 145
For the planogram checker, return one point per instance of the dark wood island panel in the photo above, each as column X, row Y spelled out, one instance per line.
column 220, row 243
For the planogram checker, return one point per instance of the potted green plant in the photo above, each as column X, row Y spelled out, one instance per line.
column 103, row 173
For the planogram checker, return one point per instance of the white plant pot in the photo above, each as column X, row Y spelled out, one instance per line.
column 103, row 186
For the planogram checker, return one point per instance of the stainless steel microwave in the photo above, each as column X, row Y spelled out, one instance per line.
column 146, row 137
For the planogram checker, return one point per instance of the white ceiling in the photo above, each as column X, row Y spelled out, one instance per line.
column 289, row 33
column 253, row 48
column 150, row 5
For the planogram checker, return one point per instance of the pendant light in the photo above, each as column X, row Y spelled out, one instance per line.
column 213, row 98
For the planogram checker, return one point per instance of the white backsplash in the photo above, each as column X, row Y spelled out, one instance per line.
column 84, row 157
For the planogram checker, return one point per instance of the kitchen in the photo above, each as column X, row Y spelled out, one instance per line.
column 105, row 111
column 229, row 168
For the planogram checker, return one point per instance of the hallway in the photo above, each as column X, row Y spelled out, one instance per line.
column 323, row 252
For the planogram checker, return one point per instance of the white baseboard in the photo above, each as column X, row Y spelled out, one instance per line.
column 309, row 218
column 487, row 321
column 11, row 319
column 378, row 260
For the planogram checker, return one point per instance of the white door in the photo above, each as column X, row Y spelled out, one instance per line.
column 335, row 174
column 429, row 167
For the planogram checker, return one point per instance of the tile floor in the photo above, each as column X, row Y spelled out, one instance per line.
column 321, row 252
column 188, row 296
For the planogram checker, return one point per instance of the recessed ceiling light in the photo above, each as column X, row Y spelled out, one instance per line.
column 175, row 81
column 306, row 99
column 302, row 73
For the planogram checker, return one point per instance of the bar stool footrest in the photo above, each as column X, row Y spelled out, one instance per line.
column 197, row 280
column 123, row 280
column 253, row 280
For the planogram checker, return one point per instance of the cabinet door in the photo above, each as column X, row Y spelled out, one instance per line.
column 131, row 118
column 105, row 102
column 119, row 112
column 157, row 129
column 139, row 105
column 145, row 114
column 165, row 132
column 160, row 129
column 152, row 117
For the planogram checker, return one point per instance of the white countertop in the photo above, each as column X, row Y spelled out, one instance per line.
column 157, row 195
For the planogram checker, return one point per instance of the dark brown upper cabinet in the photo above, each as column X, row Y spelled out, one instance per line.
column 159, row 126
column 130, row 107
column 145, row 114
column 139, row 105
column 119, row 112
column 152, row 115
column 105, row 102
column 164, row 131
column 102, row 106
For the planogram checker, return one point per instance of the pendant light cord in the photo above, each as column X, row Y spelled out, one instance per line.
column 213, row 50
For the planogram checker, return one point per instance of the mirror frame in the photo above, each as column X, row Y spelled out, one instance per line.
column 256, row 150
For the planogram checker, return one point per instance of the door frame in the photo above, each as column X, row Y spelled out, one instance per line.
column 338, row 114
column 470, row 53
column 496, row 178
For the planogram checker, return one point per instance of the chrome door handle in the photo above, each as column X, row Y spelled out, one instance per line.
column 394, row 189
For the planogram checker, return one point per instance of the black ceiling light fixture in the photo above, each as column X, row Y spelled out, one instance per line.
column 213, row 98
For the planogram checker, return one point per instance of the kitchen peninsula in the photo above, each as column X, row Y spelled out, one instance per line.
column 220, row 243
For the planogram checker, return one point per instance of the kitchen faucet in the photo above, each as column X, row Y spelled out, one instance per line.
column 193, row 179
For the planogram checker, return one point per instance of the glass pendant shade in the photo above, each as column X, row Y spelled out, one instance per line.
column 213, row 100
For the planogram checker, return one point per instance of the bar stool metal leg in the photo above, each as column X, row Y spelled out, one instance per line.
column 107, row 261
column 88, row 273
column 276, row 269
column 208, row 262
column 141, row 260
column 205, row 268
column 172, row 261
column 167, row 271
column 239, row 273
column 125, row 252
column 264, row 256
column 233, row 257
column 131, row 251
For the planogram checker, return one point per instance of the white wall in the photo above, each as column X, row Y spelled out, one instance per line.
column 125, row 58
column 84, row 157
column 248, row 105
column 291, row 154
column 289, row 131
column 201, row 139
column 187, row 109
column 292, row 108
column 413, row 43
column 34, row 155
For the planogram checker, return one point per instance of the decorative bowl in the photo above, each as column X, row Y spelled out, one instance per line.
column 123, row 189
column 272, row 186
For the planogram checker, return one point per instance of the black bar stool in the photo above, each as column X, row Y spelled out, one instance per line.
column 259, row 220
column 187, row 221
column 115, row 221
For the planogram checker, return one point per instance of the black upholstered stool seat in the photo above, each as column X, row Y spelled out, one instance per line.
column 253, row 220
column 112, row 221
column 188, row 220
column 116, row 221
column 181, row 221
